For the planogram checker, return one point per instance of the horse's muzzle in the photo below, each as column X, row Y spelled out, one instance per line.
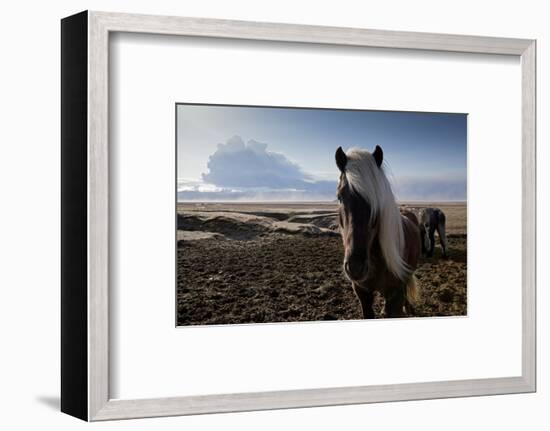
column 355, row 270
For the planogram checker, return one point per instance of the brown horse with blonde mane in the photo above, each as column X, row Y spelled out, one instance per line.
column 382, row 246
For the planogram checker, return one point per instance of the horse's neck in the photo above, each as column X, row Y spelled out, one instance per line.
column 377, row 261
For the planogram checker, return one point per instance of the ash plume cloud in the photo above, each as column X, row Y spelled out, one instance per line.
column 431, row 188
column 236, row 164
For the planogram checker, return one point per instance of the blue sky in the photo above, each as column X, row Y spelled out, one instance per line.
column 257, row 153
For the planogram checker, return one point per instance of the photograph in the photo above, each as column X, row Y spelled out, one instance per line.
column 307, row 214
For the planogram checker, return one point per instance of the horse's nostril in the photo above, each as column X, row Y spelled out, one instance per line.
column 354, row 269
column 346, row 266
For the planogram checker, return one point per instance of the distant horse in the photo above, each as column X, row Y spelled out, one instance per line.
column 431, row 220
column 381, row 246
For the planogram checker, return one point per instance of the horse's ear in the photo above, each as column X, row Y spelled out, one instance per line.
column 341, row 159
column 378, row 155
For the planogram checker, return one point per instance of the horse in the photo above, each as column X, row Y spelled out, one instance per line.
column 432, row 219
column 381, row 246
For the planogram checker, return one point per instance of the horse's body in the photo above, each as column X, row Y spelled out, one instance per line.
column 382, row 246
column 431, row 220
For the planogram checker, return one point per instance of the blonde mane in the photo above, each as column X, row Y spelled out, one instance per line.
column 369, row 181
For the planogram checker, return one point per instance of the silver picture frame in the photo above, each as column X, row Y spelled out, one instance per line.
column 85, row 215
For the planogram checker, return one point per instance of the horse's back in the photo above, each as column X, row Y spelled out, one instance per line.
column 411, row 216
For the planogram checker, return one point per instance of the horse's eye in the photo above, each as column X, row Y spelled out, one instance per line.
column 339, row 198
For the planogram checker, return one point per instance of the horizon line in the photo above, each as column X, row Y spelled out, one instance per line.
column 399, row 202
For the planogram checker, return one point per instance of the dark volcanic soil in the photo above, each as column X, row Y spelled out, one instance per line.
column 277, row 277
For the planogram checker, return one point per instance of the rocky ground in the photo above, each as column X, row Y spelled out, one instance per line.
column 283, row 263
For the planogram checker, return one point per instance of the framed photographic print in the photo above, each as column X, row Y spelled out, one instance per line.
column 261, row 216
